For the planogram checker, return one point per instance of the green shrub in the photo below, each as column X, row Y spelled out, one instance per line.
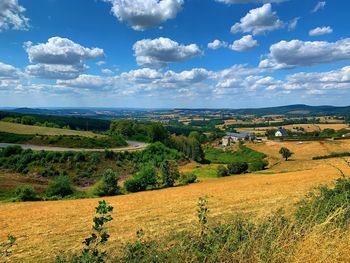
column 332, row 155
column 258, row 165
column 11, row 150
column 187, row 178
column 61, row 186
column 317, row 207
column 222, row 171
column 145, row 179
column 26, row 193
column 108, row 184
column 237, row 167
column 134, row 185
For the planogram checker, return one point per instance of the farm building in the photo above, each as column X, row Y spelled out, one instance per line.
column 346, row 135
column 281, row 132
column 236, row 137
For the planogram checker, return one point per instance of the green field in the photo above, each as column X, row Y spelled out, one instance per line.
column 29, row 129
column 244, row 154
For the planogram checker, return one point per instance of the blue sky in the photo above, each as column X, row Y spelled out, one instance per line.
column 173, row 53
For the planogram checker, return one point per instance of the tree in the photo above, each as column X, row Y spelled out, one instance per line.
column 158, row 132
column 222, row 171
column 170, row 173
column 286, row 153
column 237, row 167
column 108, row 185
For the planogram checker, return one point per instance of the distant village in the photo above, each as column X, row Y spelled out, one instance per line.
column 280, row 134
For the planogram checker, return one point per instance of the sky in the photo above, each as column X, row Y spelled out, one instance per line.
column 174, row 53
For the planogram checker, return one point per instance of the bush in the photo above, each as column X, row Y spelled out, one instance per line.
column 134, row 185
column 258, row 165
column 11, row 150
column 146, row 178
column 26, row 193
column 61, row 186
column 222, row 171
column 187, row 178
column 237, row 167
column 108, row 185
column 320, row 205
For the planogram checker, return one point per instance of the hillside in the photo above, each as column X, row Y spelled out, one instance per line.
column 30, row 129
column 108, row 113
column 64, row 224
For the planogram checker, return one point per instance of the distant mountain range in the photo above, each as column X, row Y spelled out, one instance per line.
column 107, row 113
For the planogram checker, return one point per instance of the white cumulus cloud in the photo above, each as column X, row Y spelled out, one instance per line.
column 231, row 2
column 319, row 31
column 59, row 58
column 144, row 14
column 294, row 53
column 162, row 51
column 11, row 16
column 9, row 72
column 244, row 44
column 258, row 21
column 216, row 44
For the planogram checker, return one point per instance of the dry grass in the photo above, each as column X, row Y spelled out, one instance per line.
column 45, row 228
column 62, row 225
column 28, row 129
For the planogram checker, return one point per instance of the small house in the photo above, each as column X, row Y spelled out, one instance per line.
column 281, row 132
column 236, row 137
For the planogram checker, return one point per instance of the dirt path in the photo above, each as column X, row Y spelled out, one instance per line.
column 132, row 145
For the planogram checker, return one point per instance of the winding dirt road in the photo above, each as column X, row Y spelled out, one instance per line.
column 132, row 145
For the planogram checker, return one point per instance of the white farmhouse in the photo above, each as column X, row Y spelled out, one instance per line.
column 281, row 132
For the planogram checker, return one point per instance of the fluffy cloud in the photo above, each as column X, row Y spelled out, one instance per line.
column 143, row 14
column 144, row 75
column 244, row 44
column 320, row 5
column 162, row 51
column 62, row 51
column 216, row 44
column 55, row 71
column 318, row 31
column 249, row 84
column 88, row 82
column 231, row 2
column 258, row 21
column 59, row 58
column 107, row 71
column 294, row 53
column 9, row 72
column 190, row 76
column 11, row 16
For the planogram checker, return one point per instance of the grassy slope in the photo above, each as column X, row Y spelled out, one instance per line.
column 158, row 212
column 28, row 129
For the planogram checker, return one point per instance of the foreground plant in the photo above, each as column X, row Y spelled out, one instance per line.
column 92, row 253
column 5, row 247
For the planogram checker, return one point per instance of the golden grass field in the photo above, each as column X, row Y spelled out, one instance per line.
column 307, row 127
column 45, row 228
column 29, row 129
